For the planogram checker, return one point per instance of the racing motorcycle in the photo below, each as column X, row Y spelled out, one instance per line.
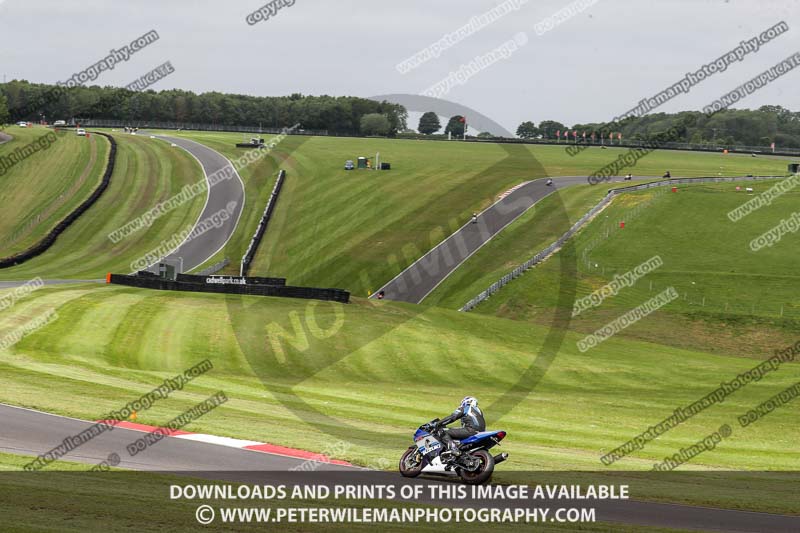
column 429, row 455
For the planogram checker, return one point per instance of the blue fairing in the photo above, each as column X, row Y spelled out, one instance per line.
column 481, row 438
column 420, row 433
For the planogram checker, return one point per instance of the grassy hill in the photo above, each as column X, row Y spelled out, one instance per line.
column 41, row 190
column 368, row 373
column 336, row 228
column 358, row 229
column 259, row 179
column 733, row 300
column 519, row 241
column 308, row 368
column 147, row 172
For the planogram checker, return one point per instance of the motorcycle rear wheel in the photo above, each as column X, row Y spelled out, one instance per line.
column 411, row 463
column 484, row 471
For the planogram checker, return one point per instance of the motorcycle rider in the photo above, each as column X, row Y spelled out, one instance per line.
column 472, row 422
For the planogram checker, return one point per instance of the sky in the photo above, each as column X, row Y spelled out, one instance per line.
column 590, row 65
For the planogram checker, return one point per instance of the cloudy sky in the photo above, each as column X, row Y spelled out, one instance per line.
column 588, row 67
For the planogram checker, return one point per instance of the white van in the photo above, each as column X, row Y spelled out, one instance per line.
column 60, row 123
column 81, row 132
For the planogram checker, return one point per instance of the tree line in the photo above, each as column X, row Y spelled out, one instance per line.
column 730, row 127
column 22, row 100
column 429, row 124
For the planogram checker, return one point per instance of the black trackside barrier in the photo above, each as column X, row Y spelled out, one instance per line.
column 48, row 240
column 262, row 225
column 232, row 280
column 309, row 293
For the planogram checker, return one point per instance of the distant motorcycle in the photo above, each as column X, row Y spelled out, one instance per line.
column 474, row 466
column 549, row 182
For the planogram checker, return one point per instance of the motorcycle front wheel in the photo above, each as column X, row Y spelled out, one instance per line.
column 411, row 462
column 484, row 470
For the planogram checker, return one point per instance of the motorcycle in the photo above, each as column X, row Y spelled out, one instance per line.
column 549, row 182
column 429, row 455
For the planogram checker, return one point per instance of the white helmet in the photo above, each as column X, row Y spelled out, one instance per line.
column 469, row 401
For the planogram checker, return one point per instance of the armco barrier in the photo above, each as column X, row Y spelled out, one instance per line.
column 262, row 225
column 541, row 256
column 251, row 280
column 48, row 240
column 216, row 267
column 310, row 293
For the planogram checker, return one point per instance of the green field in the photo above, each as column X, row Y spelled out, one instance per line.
column 131, row 333
column 733, row 300
column 259, row 179
column 323, row 372
column 112, row 343
column 126, row 501
column 147, row 172
column 356, row 230
column 41, row 190
column 519, row 241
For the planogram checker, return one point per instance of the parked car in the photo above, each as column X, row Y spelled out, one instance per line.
column 81, row 132
column 22, row 124
column 60, row 123
column 348, row 165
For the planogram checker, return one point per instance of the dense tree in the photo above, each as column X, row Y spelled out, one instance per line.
column 783, row 140
column 3, row 109
column 527, row 130
column 548, row 128
column 375, row 124
column 429, row 123
column 455, row 126
column 27, row 101
column 731, row 127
